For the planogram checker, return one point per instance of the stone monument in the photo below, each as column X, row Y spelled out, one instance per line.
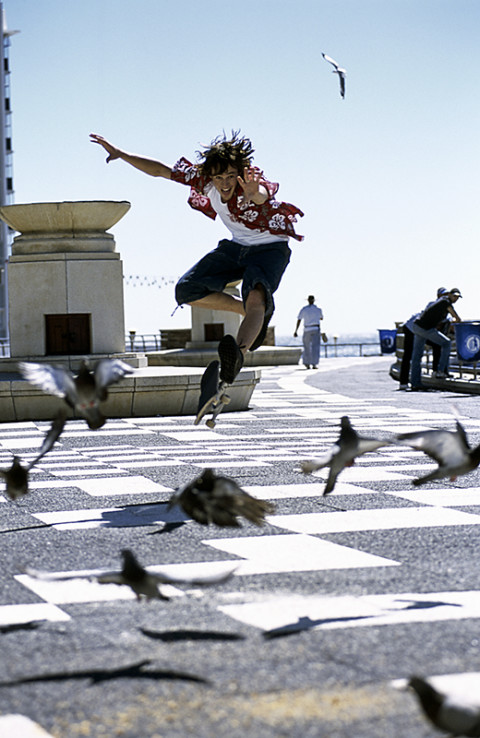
column 65, row 279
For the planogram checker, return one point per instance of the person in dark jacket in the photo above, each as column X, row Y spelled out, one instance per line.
column 426, row 328
column 408, row 337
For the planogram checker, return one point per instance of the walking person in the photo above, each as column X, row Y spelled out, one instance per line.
column 312, row 317
column 225, row 183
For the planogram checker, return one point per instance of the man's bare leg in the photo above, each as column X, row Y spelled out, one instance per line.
column 220, row 301
column 253, row 320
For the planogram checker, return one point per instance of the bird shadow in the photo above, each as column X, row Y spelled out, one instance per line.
column 14, row 627
column 426, row 604
column 127, row 516
column 96, row 676
column 306, row 623
column 167, row 528
column 144, row 514
column 190, row 635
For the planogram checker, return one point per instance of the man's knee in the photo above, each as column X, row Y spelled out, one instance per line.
column 256, row 298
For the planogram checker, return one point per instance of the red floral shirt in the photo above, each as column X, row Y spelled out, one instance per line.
column 273, row 216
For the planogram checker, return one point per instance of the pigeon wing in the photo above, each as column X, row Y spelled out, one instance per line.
column 109, row 371
column 445, row 447
column 369, row 444
column 232, row 499
column 336, row 467
column 192, row 503
column 90, row 574
column 314, row 464
column 165, row 577
column 51, row 437
column 52, row 380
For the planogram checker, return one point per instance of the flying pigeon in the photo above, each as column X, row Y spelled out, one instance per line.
column 16, row 477
column 448, row 713
column 338, row 70
column 142, row 582
column 219, row 500
column 450, row 449
column 343, row 453
column 84, row 392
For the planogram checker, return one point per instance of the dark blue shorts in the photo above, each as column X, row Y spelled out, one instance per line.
column 262, row 264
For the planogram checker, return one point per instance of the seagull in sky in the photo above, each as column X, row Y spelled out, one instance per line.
column 16, row 477
column 450, row 449
column 219, row 500
column 142, row 582
column 343, row 453
column 83, row 392
column 459, row 717
column 338, row 70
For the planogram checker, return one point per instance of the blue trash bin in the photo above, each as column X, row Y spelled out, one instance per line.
column 388, row 341
column 467, row 338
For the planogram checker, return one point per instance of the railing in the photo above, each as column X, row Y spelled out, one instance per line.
column 170, row 339
column 143, row 341
column 345, row 349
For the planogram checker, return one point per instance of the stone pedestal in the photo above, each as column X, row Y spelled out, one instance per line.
column 65, row 279
column 209, row 326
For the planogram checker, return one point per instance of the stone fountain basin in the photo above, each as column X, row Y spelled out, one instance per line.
column 64, row 217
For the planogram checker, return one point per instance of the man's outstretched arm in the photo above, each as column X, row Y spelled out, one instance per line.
column 153, row 167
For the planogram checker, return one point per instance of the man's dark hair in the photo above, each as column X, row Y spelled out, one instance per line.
column 236, row 152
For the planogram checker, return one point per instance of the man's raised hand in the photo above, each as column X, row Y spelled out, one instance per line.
column 112, row 151
column 252, row 190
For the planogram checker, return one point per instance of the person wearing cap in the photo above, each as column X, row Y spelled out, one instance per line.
column 426, row 328
column 311, row 316
column 408, row 337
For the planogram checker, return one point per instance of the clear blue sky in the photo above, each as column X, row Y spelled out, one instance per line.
column 387, row 178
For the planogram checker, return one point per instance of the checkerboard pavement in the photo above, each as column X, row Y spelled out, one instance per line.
column 121, row 476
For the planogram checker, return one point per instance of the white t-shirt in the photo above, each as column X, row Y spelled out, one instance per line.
column 311, row 316
column 240, row 233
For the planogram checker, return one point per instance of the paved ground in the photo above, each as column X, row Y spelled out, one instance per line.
column 332, row 600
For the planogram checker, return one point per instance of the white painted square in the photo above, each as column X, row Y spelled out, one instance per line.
column 232, row 464
column 379, row 519
column 284, row 491
column 194, row 435
column 84, row 472
column 140, row 515
column 324, row 612
column 127, row 485
column 362, row 474
column 456, row 497
column 20, row 726
column 21, row 614
column 286, row 553
column 75, row 590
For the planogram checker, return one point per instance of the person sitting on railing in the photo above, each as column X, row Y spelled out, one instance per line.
column 408, row 337
column 425, row 327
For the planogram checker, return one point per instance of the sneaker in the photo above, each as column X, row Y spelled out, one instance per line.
column 231, row 359
column 441, row 375
column 208, row 384
column 403, row 387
